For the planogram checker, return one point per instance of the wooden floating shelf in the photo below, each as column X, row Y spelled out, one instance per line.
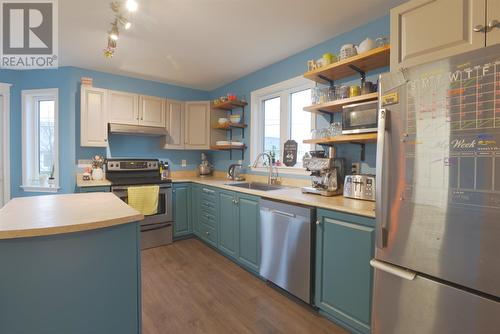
column 229, row 105
column 366, row 61
column 336, row 106
column 231, row 125
column 356, row 138
column 227, row 147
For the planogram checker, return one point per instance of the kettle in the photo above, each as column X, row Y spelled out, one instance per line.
column 234, row 172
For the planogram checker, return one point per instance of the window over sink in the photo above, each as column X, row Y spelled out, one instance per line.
column 40, row 140
column 277, row 115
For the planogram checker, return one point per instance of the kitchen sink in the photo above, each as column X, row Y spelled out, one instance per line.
column 255, row 186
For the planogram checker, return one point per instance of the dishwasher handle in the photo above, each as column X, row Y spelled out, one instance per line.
column 278, row 212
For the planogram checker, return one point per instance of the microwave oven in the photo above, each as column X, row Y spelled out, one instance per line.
column 360, row 117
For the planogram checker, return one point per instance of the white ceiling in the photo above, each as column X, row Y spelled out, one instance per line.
column 205, row 43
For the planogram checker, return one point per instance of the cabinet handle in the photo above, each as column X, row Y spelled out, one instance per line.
column 318, row 222
column 494, row 24
column 236, row 202
column 479, row 28
column 208, row 233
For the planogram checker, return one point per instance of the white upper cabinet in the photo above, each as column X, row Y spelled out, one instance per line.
column 426, row 30
column 493, row 22
column 197, row 125
column 123, row 108
column 93, row 117
column 151, row 111
column 174, row 125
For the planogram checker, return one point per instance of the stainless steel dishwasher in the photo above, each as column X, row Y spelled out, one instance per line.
column 286, row 247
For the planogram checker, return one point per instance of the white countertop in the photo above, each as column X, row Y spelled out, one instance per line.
column 57, row 214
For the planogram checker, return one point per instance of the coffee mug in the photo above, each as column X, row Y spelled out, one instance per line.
column 328, row 58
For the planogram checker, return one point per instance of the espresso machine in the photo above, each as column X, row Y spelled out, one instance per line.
column 327, row 174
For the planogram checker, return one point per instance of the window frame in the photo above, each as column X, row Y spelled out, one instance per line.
column 30, row 137
column 284, row 90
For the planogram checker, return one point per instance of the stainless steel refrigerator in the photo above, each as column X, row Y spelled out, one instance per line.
column 437, row 257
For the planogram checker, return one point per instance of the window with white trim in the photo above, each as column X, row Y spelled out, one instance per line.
column 277, row 115
column 40, row 140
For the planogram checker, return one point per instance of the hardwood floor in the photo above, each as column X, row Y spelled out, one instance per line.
column 187, row 287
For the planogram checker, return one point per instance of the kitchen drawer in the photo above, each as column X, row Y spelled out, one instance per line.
column 208, row 218
column 209, row 206
column 208, row 193
column 208, row 234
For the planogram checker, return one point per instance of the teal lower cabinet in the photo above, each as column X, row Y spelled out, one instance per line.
column 99, row 189
column 227, row 223
column 248, row 218
column 195, row 208
column 344, row 248
column 182, row 209
column 238, row 220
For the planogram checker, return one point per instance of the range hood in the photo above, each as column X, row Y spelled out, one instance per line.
column 140, row 130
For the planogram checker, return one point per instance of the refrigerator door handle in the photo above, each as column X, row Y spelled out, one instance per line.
column 394, row 270
column 381, row 200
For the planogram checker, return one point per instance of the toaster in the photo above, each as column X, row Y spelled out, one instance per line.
column 360, row 186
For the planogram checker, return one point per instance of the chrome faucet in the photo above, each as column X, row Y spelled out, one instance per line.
column 271, row 179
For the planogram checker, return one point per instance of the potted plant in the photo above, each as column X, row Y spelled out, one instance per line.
column 97, row 172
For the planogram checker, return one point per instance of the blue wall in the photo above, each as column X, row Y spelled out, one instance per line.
column 295, row 66
column 67, row 80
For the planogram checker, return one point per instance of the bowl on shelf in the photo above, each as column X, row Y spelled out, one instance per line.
column 235, row 118
column 223, row 121
column 222, row 143
column 236, row 143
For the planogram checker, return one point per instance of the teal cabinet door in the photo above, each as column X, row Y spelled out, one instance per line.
column 182, row 209
column 227, row 223
column 344, row 248
column 196, row 208
column 248, row 218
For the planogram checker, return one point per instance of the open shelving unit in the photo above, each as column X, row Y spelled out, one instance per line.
column 356, row 65
column 354, row 139
column 359, row 64
column 222, row 110
column 336, row 106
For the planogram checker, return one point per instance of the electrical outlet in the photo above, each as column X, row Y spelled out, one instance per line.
column 355, row 168
column 184, row 163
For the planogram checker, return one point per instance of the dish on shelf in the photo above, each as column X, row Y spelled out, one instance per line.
column 235, row 118
column 222, row 143
column 236, row 143
column 223, row 121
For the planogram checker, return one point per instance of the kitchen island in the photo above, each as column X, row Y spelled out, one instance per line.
column 69, row 264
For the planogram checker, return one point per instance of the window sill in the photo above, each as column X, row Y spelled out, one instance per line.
column 283, row 170
column 40, row 189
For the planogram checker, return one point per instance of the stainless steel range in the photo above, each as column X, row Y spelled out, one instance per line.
column 156, row 230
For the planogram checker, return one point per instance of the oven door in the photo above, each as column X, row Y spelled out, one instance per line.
column 164, row 214
column 360, row 118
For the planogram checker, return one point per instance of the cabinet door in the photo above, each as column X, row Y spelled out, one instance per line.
column 343, row 273
column 182, row 212
column 93, row 117
column 248, row 218
column 493, row 37
column 227, row 223
column 123, row 108
column 196, row 208
column 175, row 125
column 197, row 125
column 152, row 111
column 427, row 30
